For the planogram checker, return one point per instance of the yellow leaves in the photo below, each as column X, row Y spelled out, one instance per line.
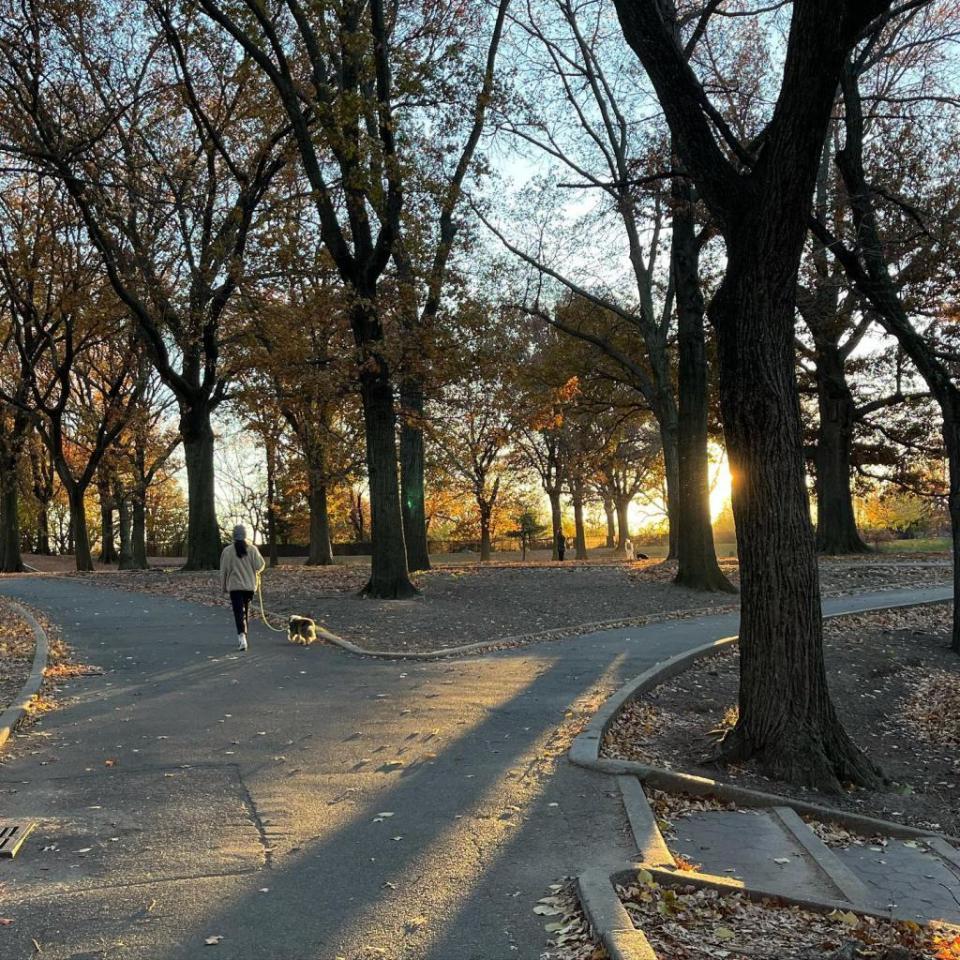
column 947, row 948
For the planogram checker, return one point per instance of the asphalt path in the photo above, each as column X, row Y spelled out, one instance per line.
column 302, row 803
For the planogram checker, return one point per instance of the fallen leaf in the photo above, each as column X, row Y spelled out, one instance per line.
column 213, row 941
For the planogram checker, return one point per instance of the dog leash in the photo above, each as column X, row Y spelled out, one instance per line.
column 263, row 613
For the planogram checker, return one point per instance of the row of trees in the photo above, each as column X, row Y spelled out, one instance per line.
column 286, row 209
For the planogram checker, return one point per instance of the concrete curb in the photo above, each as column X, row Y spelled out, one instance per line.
column 609, row 919
column 585, row 749
column 613, row 926
column 14, row 713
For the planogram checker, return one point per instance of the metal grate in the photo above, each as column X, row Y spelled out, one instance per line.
column 12, row 836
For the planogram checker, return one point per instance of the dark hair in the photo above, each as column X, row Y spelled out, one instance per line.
column 241, row 547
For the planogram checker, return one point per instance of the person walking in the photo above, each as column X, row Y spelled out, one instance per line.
column 240, row 568
column 561, row 545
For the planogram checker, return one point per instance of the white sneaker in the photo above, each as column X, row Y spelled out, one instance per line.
column 241, row 641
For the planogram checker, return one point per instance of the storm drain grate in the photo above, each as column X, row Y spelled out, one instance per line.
column 12, row 836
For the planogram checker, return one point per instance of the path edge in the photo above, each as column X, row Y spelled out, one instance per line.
column 12, row 716
column 585, row 749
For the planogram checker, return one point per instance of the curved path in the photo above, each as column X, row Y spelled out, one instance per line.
column 191, row 793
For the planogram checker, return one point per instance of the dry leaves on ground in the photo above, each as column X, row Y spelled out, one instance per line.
column 932, row 706
column 570, row 937
column 703, row 924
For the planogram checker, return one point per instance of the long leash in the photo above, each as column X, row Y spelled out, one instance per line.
column 263, row 613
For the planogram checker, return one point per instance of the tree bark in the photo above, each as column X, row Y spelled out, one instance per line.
column 272, row 504
column 696, row 553
column 787, row 721
column 108, row 553
column 579, row 535
column 10, row 558
column 623, row 522
column 203, row 531
column 412, row 485
column 611, row 530
column 78, row 528
column 485, row 512
column 669, row 440
column 389, row 577
column 43, row 529
column 836, row 522
column 951, row 438
column 138, row 534
column 556, row 521
column 125, row 557
column 321, row 550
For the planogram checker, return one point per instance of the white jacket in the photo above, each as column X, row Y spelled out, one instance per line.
column 240, row 573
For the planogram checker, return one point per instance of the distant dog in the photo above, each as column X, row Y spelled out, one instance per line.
column 640, row 556
column 302, row 631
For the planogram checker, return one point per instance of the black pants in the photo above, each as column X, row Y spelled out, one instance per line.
column 240, row 601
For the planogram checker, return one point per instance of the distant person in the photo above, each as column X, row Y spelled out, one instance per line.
column 561, row 545
column 240, row 568
column 628, row 548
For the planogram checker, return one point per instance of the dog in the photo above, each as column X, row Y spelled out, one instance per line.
column 301, row 631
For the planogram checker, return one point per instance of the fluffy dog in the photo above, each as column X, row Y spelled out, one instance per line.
column 302, row 631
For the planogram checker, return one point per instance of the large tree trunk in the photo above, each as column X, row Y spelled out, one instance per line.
column 579, row 535
column 124, row 523
column 321, row 551
column 412, row 486
column 272, row 504
column 78, row 528
column 138, row 535
column 43, row 528
column 697, row 567
column 836, row 522
column 671, row 468
column 389, row 577
column 108, row 552
column 787, row 721
column 556, row 521
column 203, row 532
column 623, row 522
column 10, row 558
column 611, row 529
column 485, row 512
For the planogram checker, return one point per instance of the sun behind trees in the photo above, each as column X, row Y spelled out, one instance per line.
column 393, row 279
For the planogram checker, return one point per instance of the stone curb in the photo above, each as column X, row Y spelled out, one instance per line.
column 14, row 713
column 609, row 919
column 585, row 749
column 613, row 926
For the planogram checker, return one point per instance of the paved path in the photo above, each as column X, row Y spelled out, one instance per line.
column 190, row 792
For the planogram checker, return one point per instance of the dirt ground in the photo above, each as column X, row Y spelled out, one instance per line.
column 508, row 603
column 896, row 685
column 503, row 602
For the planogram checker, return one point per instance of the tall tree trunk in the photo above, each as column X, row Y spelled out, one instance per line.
column 78, row 527
column 579, row 535
column 203, row 531
column 836, row 522
column 412, row 485
column 669, row 440
column 787, row 721
column 43, row 528
column 272, row 504
column 556, row 520
column 125, row 557
column 108, row 552
column 696, row 553
column 321, row 550
column 485, row 513
column 951, row 439
column 623, row 522
column 611, row 530
column 389, row 577
column 138, row 534
column 10, row 558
